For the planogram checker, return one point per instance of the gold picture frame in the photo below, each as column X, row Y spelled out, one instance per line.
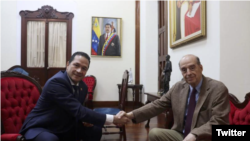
column 106, row 37
column 187, row 21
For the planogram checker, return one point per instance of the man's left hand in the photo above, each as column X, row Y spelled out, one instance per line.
column 190, row 137
column 87, row 124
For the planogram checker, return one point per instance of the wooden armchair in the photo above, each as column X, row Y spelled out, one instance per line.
column 20, row 69
column 114, row 111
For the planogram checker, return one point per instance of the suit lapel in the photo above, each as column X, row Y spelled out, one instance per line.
column 81, row 93
column 104, row 37
column 202, row 97
column 65, row 76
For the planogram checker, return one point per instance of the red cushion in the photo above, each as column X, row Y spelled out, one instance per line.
column 90, row 81
column 9, row 137
column 232, row 112
column 239, row 116
column 18, row 98
column 90, row 96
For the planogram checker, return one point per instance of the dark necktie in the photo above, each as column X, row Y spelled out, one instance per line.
column 76, row 88
column 191, row 107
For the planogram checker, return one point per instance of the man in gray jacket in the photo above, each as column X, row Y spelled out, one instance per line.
column 207, row 97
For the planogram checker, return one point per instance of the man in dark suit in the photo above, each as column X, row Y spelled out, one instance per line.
column 59, row 113
column 109, row 43
column 207, row 97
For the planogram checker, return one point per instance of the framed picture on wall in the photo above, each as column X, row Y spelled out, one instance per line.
column 187, row 21
column 106, row 36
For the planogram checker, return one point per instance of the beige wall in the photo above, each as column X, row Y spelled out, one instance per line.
column 235, row 46
column 224, row 53
column 108, row 71
column 207, row 49
column 149, row 46
column 9, row 43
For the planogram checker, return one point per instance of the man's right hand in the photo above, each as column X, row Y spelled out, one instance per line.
column 119, row 121
column 122, row 118
column 129, row 115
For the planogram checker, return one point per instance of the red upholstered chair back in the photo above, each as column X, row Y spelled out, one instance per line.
column 90, row 81
column 19, row 94
column 239, row 112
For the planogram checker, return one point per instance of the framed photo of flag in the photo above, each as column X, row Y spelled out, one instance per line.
column 187, row 21
column 106, row 36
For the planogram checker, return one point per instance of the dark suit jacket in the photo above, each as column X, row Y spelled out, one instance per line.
column 114, row 48
column 212, row 107
column 57, row 110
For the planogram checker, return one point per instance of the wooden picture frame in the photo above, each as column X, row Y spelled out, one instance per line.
column 187, row 21
column 101, row 44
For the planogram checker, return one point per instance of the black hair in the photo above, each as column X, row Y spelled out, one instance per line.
column 81, row 54
column 108, row 24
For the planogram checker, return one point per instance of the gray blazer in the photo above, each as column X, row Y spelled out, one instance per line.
column 212, row 107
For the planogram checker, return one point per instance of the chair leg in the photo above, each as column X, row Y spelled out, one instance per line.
column 91, row 104
column 124, row 133
column 105, row 129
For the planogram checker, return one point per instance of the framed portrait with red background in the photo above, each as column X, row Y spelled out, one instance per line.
column 187, row 20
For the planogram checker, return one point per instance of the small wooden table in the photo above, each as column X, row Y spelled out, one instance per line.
column 136, row 96
column 151, row 97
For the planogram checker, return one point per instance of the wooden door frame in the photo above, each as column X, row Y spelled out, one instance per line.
column 160, row 30
column 46, row 13
column 137, row 43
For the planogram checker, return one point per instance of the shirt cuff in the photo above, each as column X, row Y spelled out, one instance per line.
column 109, row 119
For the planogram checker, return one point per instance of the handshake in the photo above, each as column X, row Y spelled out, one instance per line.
column 119, row 119
column 122, row 118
